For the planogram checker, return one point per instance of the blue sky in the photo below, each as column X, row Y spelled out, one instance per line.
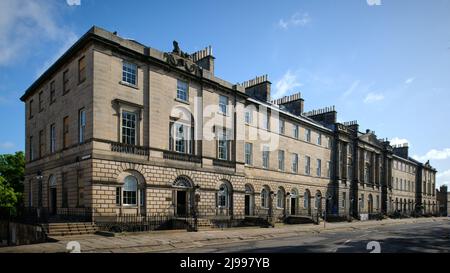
column 384, row 63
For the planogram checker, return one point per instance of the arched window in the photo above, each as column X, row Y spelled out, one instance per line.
column 130, row 191
column 280, row 198
column 367, row 173
column 52, row 181
column 318, row 200
column 223, row 196
column 264, row 198
column 306, row 199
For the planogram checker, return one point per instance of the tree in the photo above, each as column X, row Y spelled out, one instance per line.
column 12, row 170
column 8, row 197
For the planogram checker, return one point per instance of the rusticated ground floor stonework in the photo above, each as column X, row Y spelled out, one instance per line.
column 102, row 185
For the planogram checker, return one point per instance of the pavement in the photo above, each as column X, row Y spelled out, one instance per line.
column 334, row 237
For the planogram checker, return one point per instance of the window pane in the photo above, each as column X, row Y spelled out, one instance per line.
column 182, row 90
column 223, row 104
column 129, row 73
column 129, row 128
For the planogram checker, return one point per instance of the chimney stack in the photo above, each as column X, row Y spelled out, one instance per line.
column 293, row 103
column 205, row 59
column 258, row 88
column 401, row 150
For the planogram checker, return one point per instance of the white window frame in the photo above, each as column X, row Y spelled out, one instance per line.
column 223, row 107
column 223, row 144
column 248, row 117
column 281, row 126
column 127, row 73
column 307, row 135
column 295, row 131
column 319, row 168
column 266, row 157
column 281, row 160
column 185, row 138
column 248, row 153
column 280, row 199
column 81, row 125
column 181, row 92
column 307, row 165
column 136, row 127
column 294, row 164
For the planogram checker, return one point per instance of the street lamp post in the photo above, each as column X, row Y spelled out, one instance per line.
column 39, row 178
column 196, row 201
column 326, row 210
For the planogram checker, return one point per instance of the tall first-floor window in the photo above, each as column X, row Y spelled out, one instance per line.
column 294, row 163
column 181, row 138
column 65, row 132
column 41, row 143
column 81, row 125
column 223, row 145
column 129, row 128
column 307, row 165
column 248, row 153
column 319, row 167
column 265, row 157
column 31, row 148
column 281, row 160
column 52, row 138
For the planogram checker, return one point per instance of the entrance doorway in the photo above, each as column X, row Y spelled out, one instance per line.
column 53, row 203
column 182, row 203
column 293, row 206
column 247, row 204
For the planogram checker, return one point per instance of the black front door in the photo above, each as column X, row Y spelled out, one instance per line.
column 53, row 201
column 247, row 204
column 293, row 205
column 181, row 203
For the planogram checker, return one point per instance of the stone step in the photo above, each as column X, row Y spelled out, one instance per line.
column 63, row 229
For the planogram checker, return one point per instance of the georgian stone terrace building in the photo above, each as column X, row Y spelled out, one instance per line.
column 122, row 128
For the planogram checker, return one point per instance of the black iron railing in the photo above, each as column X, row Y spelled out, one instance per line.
column 33, row 215
column 134, row 223
column 181, row 157
column 129, row 149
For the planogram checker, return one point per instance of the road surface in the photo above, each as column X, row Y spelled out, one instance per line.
column 431, row 237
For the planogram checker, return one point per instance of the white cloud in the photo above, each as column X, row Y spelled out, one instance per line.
column 73, row 2
column 286, row 84
column 7, row 145
column 373, row 97
column 351, row 89
column 434, row 155
column 26, row 24
column 296, row 20
column 409, row 80
column 374, row 2
column 397, row 141
column 443, row 178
